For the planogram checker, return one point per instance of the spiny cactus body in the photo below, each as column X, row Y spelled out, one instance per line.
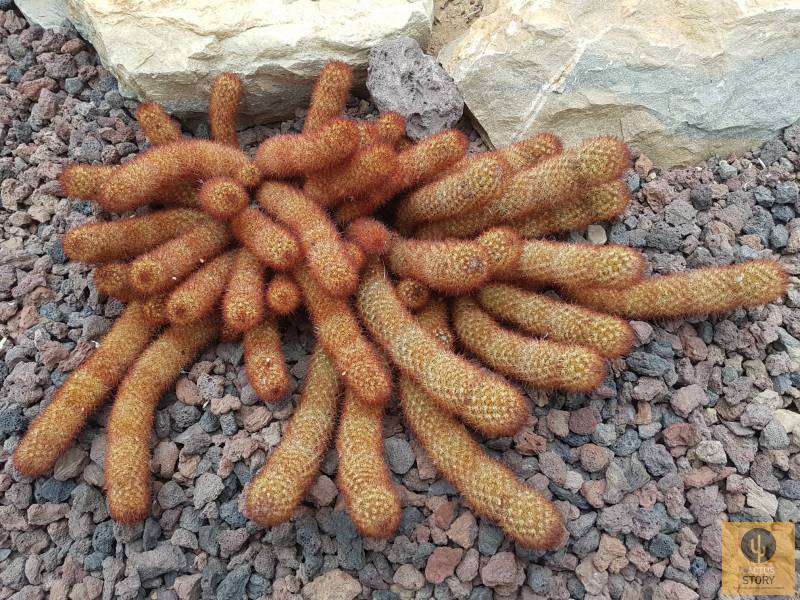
column 385, row 243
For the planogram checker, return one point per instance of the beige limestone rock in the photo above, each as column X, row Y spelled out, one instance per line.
column 169, row 52
column 680, row 81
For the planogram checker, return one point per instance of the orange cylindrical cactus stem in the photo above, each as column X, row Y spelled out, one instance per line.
column 282, row 296
column 127, row 464
column 551, row 182
column 355, row 255
column 600, row 203
column 157, row 125
column 271, row 243
column 223, row 107
column 126, row 238
column 164, row 267
column 544, row 364
column 413, row 294
column 504, row 246
column 291, row 155
column 359, row 365
column 488, row 486
column 364, row 480
column 484, row 400
column 389, row 128
column 532, row 151
column 426, row 159
column 350, row 211
column 319, row 238
column 714, row 290
column 330, row 95
column 470, row 187
column 83, row 393
column 153, row 173
column 243, row 302
column 579, row 265
column 434, row 318
column 84, row 181
column 370, row 235
column 223, row 198
column 200, row 292
column 366, row 170
column 278, row 488
column 264, row 362
column 114, row 280
column 449, row 266
column 542, row 316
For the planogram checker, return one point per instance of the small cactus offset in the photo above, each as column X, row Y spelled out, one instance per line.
column 416, row 264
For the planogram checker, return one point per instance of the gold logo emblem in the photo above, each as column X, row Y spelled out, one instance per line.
column 758, row 559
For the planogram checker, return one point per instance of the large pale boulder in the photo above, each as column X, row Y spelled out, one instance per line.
column 678, row 80
column 169, row 51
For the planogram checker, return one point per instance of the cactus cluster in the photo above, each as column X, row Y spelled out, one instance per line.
column 411, row 260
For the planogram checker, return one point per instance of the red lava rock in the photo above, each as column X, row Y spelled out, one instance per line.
column 584, row 420
column 594, row 458
column 500, row 570
column 681, row 434
column 464, row 530
column 529, row 443
column 324, row 491
column 443, row 515
column 686, row 399
column 187, row 392
column 442, row 564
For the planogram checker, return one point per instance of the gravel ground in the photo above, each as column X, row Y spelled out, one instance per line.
column 699, row 424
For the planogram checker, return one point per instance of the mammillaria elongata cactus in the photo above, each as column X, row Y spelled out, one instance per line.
column 387, row 245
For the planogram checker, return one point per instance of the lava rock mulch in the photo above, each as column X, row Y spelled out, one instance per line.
column 696, row 426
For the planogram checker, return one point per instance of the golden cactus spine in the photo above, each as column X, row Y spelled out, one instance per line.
column 264, row 361
column 157, row 125
column 200, row 292
column 85, row 181
column 484, row 400
column 370, row 235
column 223, row 106
column 366, row 170
column 223, row 198
column 364, row 480
column 127, row 465
column 152, row 173
column 412, row 294
column 83, row 393
column 544, row 364
column 338, row 331
column 272, row 244
column 579, row 265
column 600, row 203
column 542, row 316
column 278, row 488
column 447, row 266
column 712, row 290
column 164, row 267
column 291, row 155
column 282, row 296
column 126, row 238
column 325, row 255
column 488, row 486
column 114, row 280
column 243, row 302
column 329, row 98
column 477, row 182
column 554, row 181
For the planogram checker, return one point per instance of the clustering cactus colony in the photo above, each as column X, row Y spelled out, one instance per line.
column 388, row 245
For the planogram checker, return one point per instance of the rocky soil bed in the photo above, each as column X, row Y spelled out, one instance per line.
column 699, row 424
